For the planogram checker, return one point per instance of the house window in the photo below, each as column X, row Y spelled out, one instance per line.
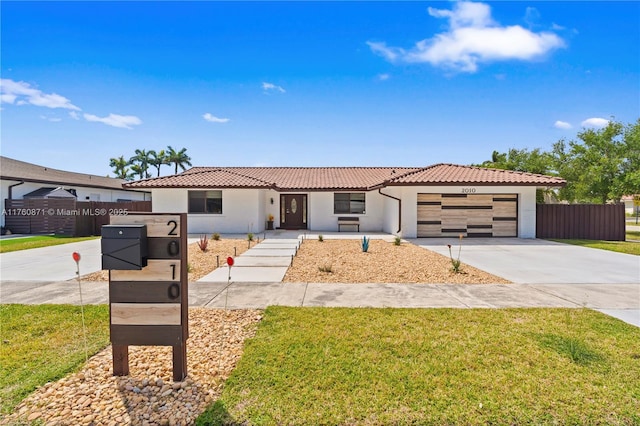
column 348, row 202
column 205, row 202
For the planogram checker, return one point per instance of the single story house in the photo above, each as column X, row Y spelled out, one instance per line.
column 442, row 200
column 20, row 180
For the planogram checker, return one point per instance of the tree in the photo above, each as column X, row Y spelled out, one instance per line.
column 179, row 158
column 140, row 163
column 521, row 160
column 602, row 165
column 120, row 168
column 158, row 159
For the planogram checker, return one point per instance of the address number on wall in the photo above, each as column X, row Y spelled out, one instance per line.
column 468, row 190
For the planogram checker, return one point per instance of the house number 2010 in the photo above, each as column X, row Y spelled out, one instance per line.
column 468, row 190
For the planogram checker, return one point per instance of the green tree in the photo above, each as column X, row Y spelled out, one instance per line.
column 158, row 159
column 521, row 160
column 178, row 158
column 140, row 163
column 121, row 168
column 601, row 165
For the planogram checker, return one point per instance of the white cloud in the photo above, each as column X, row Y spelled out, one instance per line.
column 214, row 119
column 74, row 115
column 595, row 122
column 52, row 119
column 272, row 87
column 561, row 125
column 472, row 38
column 115, row 120
column 383, row 77
column 21, row 93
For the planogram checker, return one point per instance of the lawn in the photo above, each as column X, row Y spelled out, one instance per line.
column 627, row 247
column 43, row 343
column 15, row 244
column 434, row 366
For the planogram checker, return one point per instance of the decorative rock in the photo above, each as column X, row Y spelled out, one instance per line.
column 95, row 396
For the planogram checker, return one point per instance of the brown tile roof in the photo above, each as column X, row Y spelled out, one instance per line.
column 11, row 169
column 340, row 178
column 452, row 174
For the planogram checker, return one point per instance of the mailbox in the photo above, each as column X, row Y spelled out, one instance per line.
column 124, row 247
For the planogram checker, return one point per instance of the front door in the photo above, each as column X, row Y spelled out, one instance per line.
column 293, row 211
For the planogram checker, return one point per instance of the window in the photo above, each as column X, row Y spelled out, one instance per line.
column 348, row 202
column 205, row 202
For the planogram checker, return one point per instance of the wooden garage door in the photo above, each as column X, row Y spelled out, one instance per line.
column 472, row 215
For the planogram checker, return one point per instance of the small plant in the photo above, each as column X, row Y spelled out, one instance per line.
column 327, row 267
column 365, row 244
column 397, row 241
column 215, row 236
column 455, row 263
column 320, row 238
column 203, row 243
column 249, row 236
column 270, row 217
column 189, row 268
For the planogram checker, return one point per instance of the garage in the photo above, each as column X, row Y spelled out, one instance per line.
column 472, row 215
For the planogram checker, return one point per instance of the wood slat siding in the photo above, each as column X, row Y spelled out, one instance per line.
column 145, row 313
column 581, row 221
column 472, row 215
column 156, row 270
column 65, row 217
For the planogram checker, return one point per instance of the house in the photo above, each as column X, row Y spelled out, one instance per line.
column 436, row 201
column 22, row 180
column 631, row 204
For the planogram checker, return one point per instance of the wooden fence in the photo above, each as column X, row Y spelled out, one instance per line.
column 581, row 221
column 63, row 216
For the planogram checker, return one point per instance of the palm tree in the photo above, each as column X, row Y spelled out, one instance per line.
column 142, row 161
column 158, row 159
column 179, row 158
column 120, row 168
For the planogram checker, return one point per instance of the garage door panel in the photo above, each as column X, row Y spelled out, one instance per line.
column 472, row 215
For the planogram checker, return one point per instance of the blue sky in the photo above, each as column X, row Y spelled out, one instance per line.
column 310, row 84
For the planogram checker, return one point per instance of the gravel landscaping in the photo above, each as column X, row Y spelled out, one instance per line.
column 383, row 263
column 148, row 396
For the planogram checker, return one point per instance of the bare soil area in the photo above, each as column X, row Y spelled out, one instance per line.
column 343, row 261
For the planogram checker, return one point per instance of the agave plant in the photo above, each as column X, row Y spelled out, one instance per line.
column 365, row 244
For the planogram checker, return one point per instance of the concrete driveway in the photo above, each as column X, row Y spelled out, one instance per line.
column 533, row 261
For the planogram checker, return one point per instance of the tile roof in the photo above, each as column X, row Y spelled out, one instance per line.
column 452, row 174
column 11, row 169
column 341, row 178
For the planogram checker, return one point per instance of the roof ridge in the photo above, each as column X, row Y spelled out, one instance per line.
column 249, row 177
column 508, row 170
column 409, row 173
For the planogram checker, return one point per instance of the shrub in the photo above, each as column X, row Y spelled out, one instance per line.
column 365, row 244
column 215, row 236
column 249, row 236
column 455, row 263
column 397, row 241
column 327, row 267
column 320, row 238
column 203, row 243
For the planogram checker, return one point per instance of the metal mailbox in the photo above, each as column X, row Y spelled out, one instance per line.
column 124, row 247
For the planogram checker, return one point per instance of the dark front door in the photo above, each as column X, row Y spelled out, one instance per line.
column 293, row 211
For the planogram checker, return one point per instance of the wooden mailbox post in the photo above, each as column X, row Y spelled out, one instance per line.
column 149, row 304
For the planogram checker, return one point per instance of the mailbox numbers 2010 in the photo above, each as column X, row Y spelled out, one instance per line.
column 174, row 225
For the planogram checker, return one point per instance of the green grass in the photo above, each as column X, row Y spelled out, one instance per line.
column 15, row 244
column 627, row 247
column 42, row 343
column 633, row 235
column 434, row 366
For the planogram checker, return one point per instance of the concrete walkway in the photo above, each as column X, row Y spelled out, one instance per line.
column 266, row 262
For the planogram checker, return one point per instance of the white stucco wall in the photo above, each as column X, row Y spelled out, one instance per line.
column 246, row 210
column 322, row 217
column 526, row 205
column 243, row 210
